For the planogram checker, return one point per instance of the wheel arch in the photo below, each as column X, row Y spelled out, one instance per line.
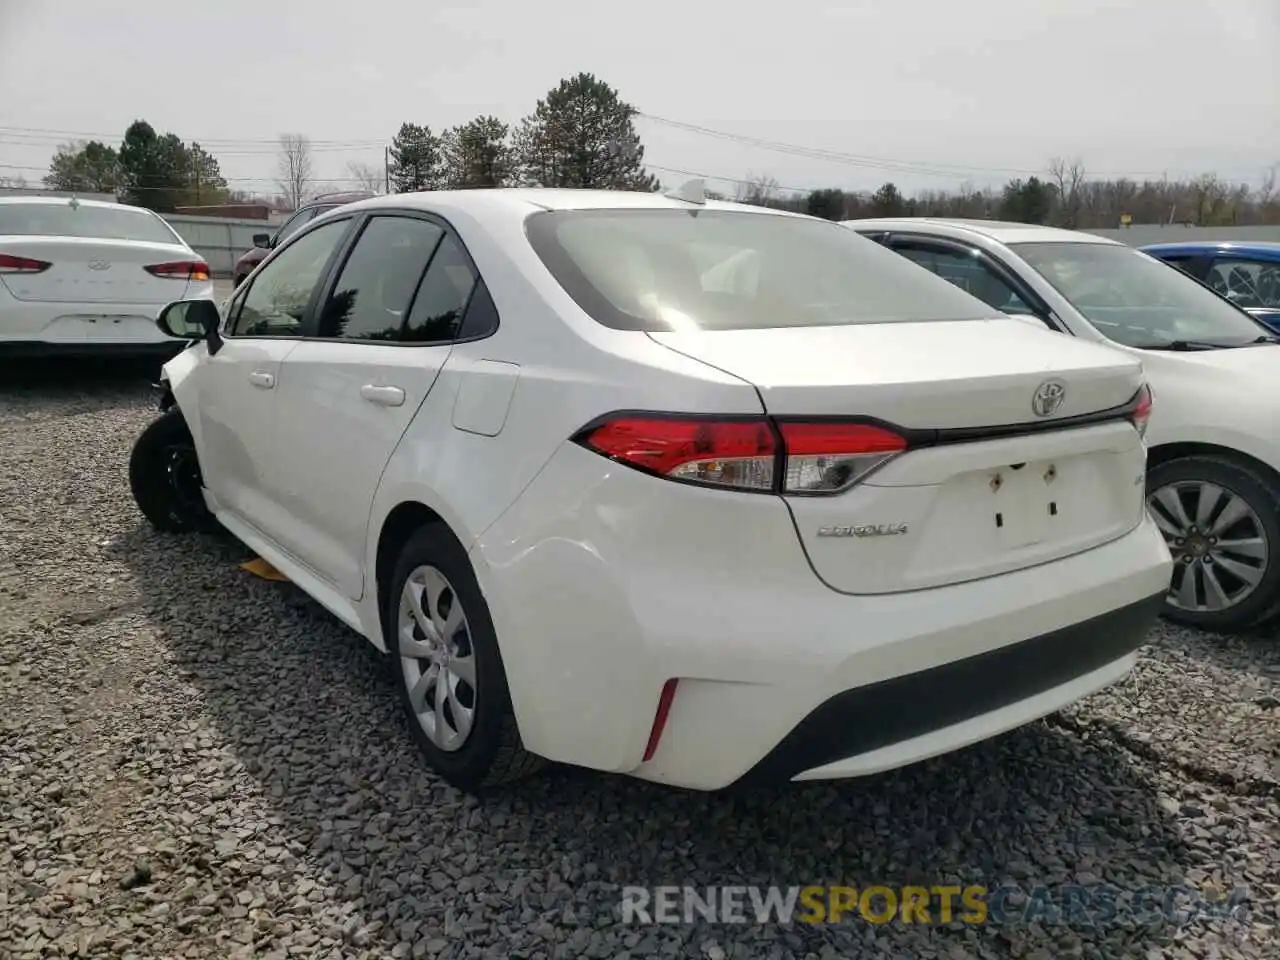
column 1166, row 452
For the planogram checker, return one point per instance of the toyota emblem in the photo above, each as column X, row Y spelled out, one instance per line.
column 1048, row 398
column 99, row 264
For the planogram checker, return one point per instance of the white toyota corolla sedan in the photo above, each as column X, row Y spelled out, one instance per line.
column 85, row 277
column 1214, row 446
column 698, row 492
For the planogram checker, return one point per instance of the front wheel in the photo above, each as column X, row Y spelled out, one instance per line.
column 1221, row 520
column 164, row 474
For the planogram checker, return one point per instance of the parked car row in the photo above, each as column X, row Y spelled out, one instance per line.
column 707, row 493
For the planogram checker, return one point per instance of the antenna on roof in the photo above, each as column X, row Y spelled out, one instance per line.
column 691, row 191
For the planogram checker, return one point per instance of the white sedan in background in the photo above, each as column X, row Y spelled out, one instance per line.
column 85, row 277
column 1214, row 459
column 604, row 502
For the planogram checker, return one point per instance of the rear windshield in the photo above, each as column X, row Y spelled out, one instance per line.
column 677, row 270
column 82, row 220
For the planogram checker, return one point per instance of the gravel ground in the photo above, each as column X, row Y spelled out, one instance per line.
column 197, row 763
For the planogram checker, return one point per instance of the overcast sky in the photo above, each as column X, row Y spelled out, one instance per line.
column 927, row 93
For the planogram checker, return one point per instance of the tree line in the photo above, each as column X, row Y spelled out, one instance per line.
column 148, row 169
column 581, row 134
column 1066, row 196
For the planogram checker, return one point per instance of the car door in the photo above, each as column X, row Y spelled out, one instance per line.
column 974, row 271
column 238, row 384
column 351, row 387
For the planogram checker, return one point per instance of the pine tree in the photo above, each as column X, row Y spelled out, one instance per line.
column 581, row 135
column 476, row 154
column 416, row 160
column 153, row 168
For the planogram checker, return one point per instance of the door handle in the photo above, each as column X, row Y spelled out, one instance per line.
column 260, row 378
column 383, row 396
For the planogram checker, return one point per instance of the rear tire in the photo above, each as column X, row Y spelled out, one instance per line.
column 451, row 634
column 1221, row 520
column 164, row 475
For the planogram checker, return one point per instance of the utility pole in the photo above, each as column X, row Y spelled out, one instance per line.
column 386, row 169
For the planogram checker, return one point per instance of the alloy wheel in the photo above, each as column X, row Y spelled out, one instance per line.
column 1218, row 543
column 437, row 659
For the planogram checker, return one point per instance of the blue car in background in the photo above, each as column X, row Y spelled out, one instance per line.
column 1247, row 274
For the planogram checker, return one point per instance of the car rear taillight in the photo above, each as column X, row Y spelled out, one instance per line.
column 1141, row 410
column 824, row 457
column 12, row 264
column 736, row 453
column 746, row 453
column 180, row 270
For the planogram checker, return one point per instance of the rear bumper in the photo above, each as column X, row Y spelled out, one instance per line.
column 925, row 713
column 75, row 349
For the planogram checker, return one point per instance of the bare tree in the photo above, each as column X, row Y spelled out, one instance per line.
column 13, row 183
column 295, row 167
column 1068, row 177
column 366, row 177
column 756, row 189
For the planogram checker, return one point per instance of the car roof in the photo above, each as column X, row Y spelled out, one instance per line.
column 66, row 201
column 520, row 201
column 1001, row 231
column 1265, row 249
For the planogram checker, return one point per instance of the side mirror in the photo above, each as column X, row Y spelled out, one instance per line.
column 262, row 240
column 192, row 320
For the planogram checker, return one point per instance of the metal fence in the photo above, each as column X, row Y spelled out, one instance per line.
column 218, row 240
column 1140, row 235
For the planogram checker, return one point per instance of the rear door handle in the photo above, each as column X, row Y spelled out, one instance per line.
column 260, row 378
column 383, row 396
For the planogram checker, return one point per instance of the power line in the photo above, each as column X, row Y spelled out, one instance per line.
column 203, row 141
column 879, row 163
column 27, row 168
column 8, row 140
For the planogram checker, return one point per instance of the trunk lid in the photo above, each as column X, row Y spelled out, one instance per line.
column 85, row 270
column 968, row 501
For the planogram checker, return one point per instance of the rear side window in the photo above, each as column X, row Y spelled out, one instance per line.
column 84, row 221
column 676, row 270
column 438, row 309
column 970, row 274
column 1252, row 284
column 375, row 288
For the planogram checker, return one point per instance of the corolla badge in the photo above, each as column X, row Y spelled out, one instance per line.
column 1048, row 397
column 864, row 530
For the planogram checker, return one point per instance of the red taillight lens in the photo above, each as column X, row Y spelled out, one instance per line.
column 826, row 457
column 725, row 453
column 805, row 457
column 180, row 270
column 12, row 264
column 1142, row 410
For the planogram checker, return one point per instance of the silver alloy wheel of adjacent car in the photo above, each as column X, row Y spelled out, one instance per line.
column 438, row 661
column 1217, row 541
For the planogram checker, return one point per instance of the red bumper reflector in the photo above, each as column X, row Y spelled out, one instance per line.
column 660, row 718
